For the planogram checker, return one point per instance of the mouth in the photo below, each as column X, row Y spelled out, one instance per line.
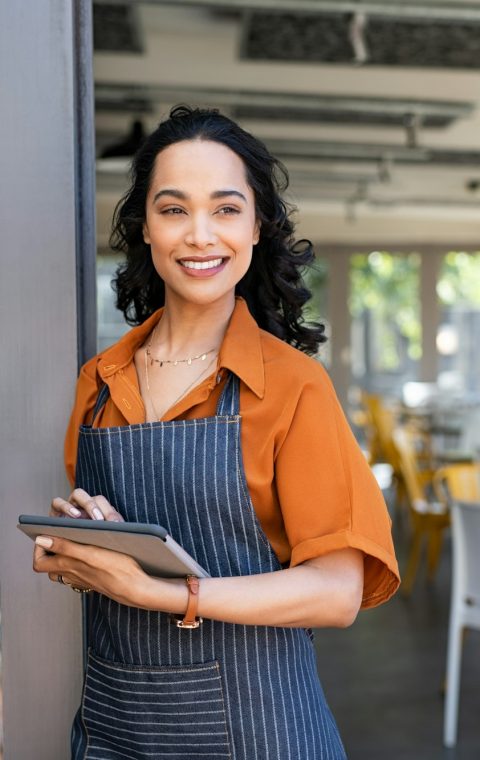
column 201, row 264
column 203, row 267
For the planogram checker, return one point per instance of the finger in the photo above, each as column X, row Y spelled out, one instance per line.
column 57, row 578
column 82, row 499
column 109, row 512
column 57, row 556
column 97, row 507
column 62, row 508
column 64, row 580
column 41, row 558
column 63, row 552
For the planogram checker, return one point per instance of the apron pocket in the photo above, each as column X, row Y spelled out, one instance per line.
column 155, row 712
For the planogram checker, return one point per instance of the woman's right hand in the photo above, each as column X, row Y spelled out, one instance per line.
column 81, row 504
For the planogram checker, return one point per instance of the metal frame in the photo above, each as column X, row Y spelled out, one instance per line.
column 84, row 130
column 113, row 94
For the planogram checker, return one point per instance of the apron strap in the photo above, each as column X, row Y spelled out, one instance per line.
column 102, row 398
column 229, row 402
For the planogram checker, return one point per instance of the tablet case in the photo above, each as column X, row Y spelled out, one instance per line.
column 151, row 545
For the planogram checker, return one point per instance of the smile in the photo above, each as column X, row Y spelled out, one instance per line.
column 201, row 264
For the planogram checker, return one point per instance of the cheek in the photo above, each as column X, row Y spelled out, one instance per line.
column 162, row 238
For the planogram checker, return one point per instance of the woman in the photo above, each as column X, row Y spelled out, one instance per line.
column 277, row 504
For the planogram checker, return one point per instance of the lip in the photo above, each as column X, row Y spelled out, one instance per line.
column 202, row 273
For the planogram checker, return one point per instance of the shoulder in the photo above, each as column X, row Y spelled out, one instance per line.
column 292, row 369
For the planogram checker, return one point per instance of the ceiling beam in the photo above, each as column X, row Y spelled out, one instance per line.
column 115, row 93
column 427, row 10
column 320, row 150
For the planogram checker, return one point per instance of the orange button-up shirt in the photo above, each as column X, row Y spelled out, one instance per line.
column 311, row 487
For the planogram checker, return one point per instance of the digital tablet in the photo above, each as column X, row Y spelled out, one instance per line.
column 150, row 545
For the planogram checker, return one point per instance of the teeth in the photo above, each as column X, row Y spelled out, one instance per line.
column 201, row 264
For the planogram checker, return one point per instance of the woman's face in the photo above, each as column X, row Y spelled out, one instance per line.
column 200, row 221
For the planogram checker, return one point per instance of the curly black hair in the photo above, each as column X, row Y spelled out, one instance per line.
column 272, row 286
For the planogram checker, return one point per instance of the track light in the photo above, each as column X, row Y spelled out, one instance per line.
column 357, row 37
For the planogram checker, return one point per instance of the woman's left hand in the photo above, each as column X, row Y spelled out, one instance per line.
column 89, row 567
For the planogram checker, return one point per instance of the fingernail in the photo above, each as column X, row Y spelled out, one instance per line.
column 74, row 511
column 97, row 514
column 44, row 541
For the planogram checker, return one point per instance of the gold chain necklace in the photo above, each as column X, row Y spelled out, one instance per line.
column 161, row 362
column 184, row 392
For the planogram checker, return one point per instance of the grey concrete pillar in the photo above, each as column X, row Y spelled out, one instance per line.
column 45, row 195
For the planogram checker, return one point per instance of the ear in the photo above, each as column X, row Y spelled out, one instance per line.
column 256, row 232
column 146, row 236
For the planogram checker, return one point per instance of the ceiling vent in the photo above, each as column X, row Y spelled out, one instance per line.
column 116, row 28
column 388, row 41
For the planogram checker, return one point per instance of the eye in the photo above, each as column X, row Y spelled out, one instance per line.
column 172, row 211
column 227, row 210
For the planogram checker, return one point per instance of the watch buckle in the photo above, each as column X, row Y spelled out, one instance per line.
column 178, row 621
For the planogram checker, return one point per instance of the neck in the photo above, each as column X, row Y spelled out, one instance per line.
column 188, row 329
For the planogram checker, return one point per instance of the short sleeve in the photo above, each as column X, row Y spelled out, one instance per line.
column 328, row 495
column 85, row 397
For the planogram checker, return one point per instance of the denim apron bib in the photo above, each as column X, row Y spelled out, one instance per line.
column 153, row 690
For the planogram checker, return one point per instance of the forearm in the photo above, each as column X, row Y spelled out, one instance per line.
column 325, row 592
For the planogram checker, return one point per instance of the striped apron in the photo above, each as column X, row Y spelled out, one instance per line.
column 153, row 690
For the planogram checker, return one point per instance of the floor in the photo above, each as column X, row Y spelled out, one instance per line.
column 383, row 677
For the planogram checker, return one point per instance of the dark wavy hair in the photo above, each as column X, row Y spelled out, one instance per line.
column 272, row 286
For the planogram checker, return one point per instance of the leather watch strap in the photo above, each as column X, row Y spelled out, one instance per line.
column 190, row 619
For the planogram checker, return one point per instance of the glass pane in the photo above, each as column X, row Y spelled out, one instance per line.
column 111, row 324
column 386, row 326
column 458, row 290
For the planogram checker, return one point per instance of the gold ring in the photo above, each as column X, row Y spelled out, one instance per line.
column 80, row 590
column 62, row 580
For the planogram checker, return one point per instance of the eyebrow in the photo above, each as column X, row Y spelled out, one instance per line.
column 172, row 192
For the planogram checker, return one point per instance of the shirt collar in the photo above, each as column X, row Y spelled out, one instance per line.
column 112, row 359
column 241, row 350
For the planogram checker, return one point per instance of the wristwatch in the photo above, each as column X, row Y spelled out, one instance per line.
column 190, row 619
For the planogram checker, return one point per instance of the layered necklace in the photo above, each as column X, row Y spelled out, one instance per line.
column 151, row 360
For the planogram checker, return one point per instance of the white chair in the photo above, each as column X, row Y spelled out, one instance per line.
column 465, row 603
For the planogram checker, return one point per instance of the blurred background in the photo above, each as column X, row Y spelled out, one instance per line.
column 374, row 108
column 374, row 114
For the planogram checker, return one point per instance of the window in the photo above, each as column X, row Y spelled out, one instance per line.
column 458, row 290
column 110, row 325
column 386, row 328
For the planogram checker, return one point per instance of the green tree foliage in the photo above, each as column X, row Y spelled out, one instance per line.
column 459, row 282
column 387, row 285
column 315, row 278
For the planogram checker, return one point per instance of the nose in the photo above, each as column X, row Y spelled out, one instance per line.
column 201, row 232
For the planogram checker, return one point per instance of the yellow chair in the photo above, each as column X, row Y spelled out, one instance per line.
column 382, row 447
column 458, row 482
column 428, row 517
